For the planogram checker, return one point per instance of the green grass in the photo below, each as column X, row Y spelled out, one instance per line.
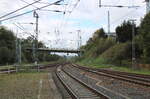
column 101, row 63
column 95, row 63
column 125, row 69
column 24, row 85
column 25, row 65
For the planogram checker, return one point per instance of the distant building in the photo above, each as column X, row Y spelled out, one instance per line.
column 111, row 34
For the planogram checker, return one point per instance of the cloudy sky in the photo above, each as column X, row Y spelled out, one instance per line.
column 59, row 30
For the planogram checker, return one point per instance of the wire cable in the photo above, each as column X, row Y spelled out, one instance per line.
column 28, row 3
column 117, row 6
column 30, row 11
column 24, row 30
column 19, row 9
column 75, row 5
column 124, row 16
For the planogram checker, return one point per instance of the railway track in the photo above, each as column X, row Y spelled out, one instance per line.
column 125, row 73
column 129, row 77
column 76, row 88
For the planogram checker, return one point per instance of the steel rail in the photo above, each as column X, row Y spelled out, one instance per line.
column 101, row 95
column 132, row 79
column 69, row 90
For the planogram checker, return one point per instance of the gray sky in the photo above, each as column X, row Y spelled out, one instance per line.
column 60, row 31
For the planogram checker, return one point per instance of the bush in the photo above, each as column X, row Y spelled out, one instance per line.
column 144, row 38
column 98, row 46
column 118, row 53
column 6, row 55
column 7, row 46
column 52, row 57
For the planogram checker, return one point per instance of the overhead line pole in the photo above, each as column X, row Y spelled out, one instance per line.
column 16, row 41
column 147, row 6
column 100, row 3
column 133, row 44
column 79, row 41
column 35, row 14
column 108, row 23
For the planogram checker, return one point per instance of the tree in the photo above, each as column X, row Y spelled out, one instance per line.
column 52, row 57
column 7, row 46
column 124, row 31
column 100, row 33
column 28, row 55
column 144, row 37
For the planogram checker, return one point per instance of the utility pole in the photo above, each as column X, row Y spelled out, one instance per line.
column 79, row 38
column 16, row 54
column 19, row 48
column 35, row 43
column 18, row 51
column 79, row 41
column 108, row 23
column 147, row 6
column 100, row 3
column 133, row 44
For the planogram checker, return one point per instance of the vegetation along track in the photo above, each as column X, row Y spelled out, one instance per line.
column 130, row 77
column 13, row 70
column 76, row 88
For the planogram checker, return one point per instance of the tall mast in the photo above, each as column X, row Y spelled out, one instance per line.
column 147, row 6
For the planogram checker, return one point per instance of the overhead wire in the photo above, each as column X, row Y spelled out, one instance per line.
column 28, row 3
column 30, row 11
column 74, row 6
column 59, row 26
column 127, row 14
column 64, row 17
column 23, row 29
column 41, row 3
column 19, row 9
column 48, row 10
column 118, row 6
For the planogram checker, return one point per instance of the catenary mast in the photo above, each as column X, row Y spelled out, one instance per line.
column 147, row 6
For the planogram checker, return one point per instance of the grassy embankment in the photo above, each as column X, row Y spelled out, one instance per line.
column 106, row 53
column 99, row 63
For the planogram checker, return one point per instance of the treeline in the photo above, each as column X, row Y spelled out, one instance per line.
column 9, row 53
column 118, row 50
